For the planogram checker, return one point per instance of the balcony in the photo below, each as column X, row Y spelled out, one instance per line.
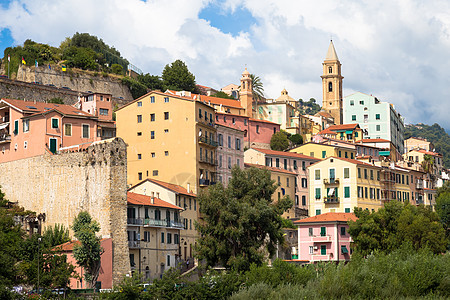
column 331, row 200
column 322, row 239
column 331, row 181
column 325, row 257
column 203, row 182
column 163, row 223
column 207, row 160
column 134, row 244
column 207, row 141
column 5, row 138
column 134, row 221
column 419, row 185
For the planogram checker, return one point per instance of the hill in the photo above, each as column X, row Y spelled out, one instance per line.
column 435, row 134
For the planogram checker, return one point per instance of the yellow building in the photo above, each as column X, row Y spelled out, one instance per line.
column 340, row 184
column 344, row 132
column 324, row 151
column 170, row 138
column 286, row 185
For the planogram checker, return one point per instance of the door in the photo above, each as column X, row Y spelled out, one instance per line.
column 53, row 145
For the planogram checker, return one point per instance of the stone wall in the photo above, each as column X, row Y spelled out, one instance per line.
column 64, row 184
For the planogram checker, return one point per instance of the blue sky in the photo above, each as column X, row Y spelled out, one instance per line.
column 395, row 50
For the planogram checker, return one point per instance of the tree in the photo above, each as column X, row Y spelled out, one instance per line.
column 152, row 82
column 257, row 88
column 117, row 69
column 83, row 58
column 428, row 163
column 56, row 235
column 394, row 225
column 241, row 222
column 137, row 89
column 296, row 139
column 443, row 206
column 279, row 141
column 176, row 76
column 224, row 95
column 89, row 251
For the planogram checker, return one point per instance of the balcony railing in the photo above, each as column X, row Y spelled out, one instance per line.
column 134, row 244
column 163, row 223
column 203, row 182
column 5, row 138
column 331, row 180
column 134, row 221
column 207, row 160
column 207, row 141
column 331, row 199
column 321, row 239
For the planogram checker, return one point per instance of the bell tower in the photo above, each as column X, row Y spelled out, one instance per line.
column 332, row 85
column 246, row 93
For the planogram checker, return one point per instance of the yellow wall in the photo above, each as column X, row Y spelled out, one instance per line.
column 316, row 150
column 283, row 179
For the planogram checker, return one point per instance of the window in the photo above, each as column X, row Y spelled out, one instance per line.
column 200, row 114
column 195, row 204
column 359, row 173
column 323, row 231
column 347, row 209
column 139, row 104
column 238, row 144
column 361, row 102
column 303, row 200
column 303, row 165
column 330, row 70
column 140, row 175
column 152, row 135
column 229, row 142
column 166, row 153
column 377, row 116
column 277, row 162
column 139, row 118
column 257, row 128
column 304, row 183
column 287, row 182
column 365, row 173
column 317, row 193
column 153, row 154
column 342, row 230
column 366, row 118
column 166, row 99
column 371, row 174
column 323, row 250
column 55, row 123
column 139, row 133
column 245, row 122
column 378, row 127
column 317, row 174
column 139, row 156
column 16, row 127
column 162, row 237
column 85, row 131
column 324, row 154
column 295, row 165
column 285, row 163
column 169, row 238
column 353, row 117
column 155, row 172
column 311, row 250
column 311, row 231
column 68, row 129
column 352, row 102
column 346, row 192
column 152, row 99
column 330, row 86
column 346, row 172
column 318, row 212
column 152, row 117
column 26, row 125
column 104, row 112
column 229, row 162
column 166, row 115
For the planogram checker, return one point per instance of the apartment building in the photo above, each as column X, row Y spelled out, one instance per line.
column 181, row 197
column 30, row 128
column 170, row 138
column 100, row 106
column 325, row 237
column 344, row 132
column 153, row 234
column 294, row 162
column 230, row 152
column 378, row 119
column 324, row 150
column 417, row 157
column 285, row 180
column 418, row 143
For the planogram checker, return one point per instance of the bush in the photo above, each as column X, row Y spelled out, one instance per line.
column 117, row 69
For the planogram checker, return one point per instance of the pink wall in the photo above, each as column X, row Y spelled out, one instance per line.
column 333, row 240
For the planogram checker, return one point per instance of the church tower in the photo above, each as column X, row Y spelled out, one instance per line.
column 332, row 85
column 246, row 93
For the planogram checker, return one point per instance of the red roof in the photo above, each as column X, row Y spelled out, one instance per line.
column 282, row 153
column 34, row 108
column 329, row 217
column 374, row 141
column 269, row 168
column 327, row 131
column 428, row 152
column 170, row 186
column 343, row 127
column 354, row 161
column 138, row 199
column 214, row 100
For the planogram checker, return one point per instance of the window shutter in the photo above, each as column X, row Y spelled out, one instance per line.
column 323, row 231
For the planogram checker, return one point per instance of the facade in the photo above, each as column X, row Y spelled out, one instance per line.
column 332, row 86
column 417, row 156
column 344, row 132
column 325, row 237
column 340, row 184
column 153, row 234
column 230, row 152
column 33, row 128
column 281, row 111
column 257, row 133
column 378, row 119
column 386, row 148
column 100, row 106
column 170, row 138
column 231, row 90
column 418, row 143
column 285, row 180
column 322, row 151
column 289, row 161
column 179, row 196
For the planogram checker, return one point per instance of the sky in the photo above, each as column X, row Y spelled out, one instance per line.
column 397, row 51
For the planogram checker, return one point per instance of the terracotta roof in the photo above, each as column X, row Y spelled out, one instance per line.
column 68, row 246
column 282, row 153
column 214, row 100
column 170, row 186
column 264, row 121
column 354, row 161
column 373, row 141
column 324, row 114
column 138, row 199
column 35, row 108
column 427, row 152
column 329, row 217
column 343, row 127
column 327, row 131
column 228, row 114
column 272, row 169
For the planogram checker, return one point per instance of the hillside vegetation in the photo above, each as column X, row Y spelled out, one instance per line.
column 435, row 134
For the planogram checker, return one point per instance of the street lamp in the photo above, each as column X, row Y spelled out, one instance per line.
column 39, row 244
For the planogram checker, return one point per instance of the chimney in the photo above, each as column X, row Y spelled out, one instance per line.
column 153, row 198
column 157, row 195
column 189, row 187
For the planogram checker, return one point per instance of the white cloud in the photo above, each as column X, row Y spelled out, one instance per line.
column 396, row 50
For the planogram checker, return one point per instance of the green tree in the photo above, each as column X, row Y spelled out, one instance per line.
column 83, row 58
column 137, row 89
column 56, row 235
column 152, row 82
column 279, row 141
column 443, row 206
column 257, row 88
column 296, row 139
column 221, row 94
column 117, row 69
column 56, row 100
column 241, row 222
column 176, row 76
column 395, row 224
column 89, row 251
column 428, row 163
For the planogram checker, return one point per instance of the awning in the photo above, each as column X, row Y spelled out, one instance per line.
column 344, row 250
column 384, row 153
column 349, row 132
column 2, row 126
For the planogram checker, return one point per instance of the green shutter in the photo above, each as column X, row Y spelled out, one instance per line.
column 342, row 230
column 16, row 127
column 55, row 123
column 317, row 193
column 347, row 192
column 323, row 250
column 347, row 210
column 324, row 154
column 318, row 212
column 323, row 231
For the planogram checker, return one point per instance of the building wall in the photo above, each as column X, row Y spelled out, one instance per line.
column 230, row 152
column 413, row 143
column 63, row 185
column 323, row 151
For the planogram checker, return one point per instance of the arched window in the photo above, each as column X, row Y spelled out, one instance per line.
column 330, row 86
column 330, row 70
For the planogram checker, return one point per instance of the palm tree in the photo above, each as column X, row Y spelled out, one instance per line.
column 257, row 88
column 428, row 163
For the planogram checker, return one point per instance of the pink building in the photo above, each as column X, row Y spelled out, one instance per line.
column 230, row 151
column 324, row 237
column 104, row 280
column 33, row 128
column 100, row 106
column 257, row 133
